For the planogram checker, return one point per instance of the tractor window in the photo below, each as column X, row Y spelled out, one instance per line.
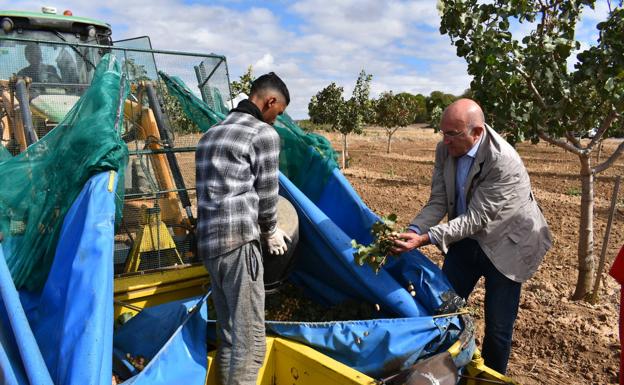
column 50, row 63
column 37, row 62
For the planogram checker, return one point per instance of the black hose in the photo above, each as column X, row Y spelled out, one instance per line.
column 165, row 135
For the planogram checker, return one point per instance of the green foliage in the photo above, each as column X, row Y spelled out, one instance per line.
column 134, row 71
column 436, row 116
column 329, row 107
column 178, row 119
column 358, row 107
column 467, row 94
column 394, row 111
column 420, row 101
column 397, row 110
column 308, row 126
column 370, row 113
column 323, row 107
column 574, row 191
column 376, row 253
column 416, row 105
column 243, row 84
column 438, row 99
column 524, row 82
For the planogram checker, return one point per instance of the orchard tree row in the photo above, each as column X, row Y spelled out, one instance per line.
column 331, row 109
column 391, row 111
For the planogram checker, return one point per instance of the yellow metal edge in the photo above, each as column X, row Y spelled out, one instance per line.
column 477, row 368
column 156, row 278
column 295, row 363
column 161, row 289
column 111, row 181
column 265, row 375
column 455, row 349
column 316, row 365
column 135, row 292
column 281, row 364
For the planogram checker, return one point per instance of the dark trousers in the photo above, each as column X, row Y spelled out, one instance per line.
column 464, row 264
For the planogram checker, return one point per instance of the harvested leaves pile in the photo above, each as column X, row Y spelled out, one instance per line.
column 291, row 304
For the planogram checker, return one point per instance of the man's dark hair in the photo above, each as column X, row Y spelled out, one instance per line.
column 270, row 81
column 32, row 52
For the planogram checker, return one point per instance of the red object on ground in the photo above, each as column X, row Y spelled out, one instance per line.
column 617, row 272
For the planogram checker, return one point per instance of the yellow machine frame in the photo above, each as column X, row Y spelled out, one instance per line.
column 12, row 122
column 144, row 119
column 153, row 237
column 288, row 362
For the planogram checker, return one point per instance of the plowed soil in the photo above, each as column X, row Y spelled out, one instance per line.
column 556, row 340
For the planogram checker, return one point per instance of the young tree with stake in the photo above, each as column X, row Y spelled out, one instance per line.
column 529, row 90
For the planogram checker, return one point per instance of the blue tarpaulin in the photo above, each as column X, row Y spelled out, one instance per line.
column 70, row 322
column 172, row 337
column 329, row 274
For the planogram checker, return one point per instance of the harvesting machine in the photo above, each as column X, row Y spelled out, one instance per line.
column 50, row 68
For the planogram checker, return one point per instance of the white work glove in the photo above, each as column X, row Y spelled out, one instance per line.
column 276, row 241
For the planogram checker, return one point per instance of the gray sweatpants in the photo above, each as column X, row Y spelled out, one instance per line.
column 238, row 295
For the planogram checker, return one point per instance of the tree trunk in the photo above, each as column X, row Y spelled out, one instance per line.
column 345, row 154
column 389, row 139
column 346, row 145
column 586, row 263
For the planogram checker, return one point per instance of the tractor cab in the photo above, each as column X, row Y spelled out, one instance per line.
column 28, row 47
column 46, row 63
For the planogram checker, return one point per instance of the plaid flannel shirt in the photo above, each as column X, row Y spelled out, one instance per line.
column 237, row 164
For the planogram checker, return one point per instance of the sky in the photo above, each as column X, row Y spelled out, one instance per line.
column 308, row 43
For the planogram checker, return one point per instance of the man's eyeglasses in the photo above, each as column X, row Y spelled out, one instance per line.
column 451, row 134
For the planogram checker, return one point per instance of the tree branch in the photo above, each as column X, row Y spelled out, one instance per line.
column 570, row 136
column 529, row 81
column 607, row 163
column 558, row 142
column 540, row 26
column 606, row 123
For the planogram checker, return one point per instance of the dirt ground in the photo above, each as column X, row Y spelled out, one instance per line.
column 556, row 341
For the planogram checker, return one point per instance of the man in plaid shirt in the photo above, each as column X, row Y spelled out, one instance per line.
column 237, row 165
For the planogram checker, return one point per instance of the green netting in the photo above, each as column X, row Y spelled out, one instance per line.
column 307, row 159
column 40, row 184
column 4, row 153
column 195, row 108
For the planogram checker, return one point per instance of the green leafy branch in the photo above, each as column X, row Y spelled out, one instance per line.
column 376, row 253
